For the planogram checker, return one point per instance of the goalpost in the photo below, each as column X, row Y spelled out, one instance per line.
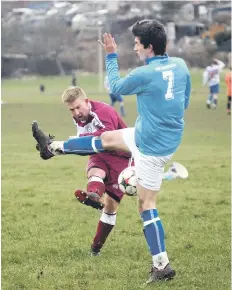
column 112, row 7
column 100, row 62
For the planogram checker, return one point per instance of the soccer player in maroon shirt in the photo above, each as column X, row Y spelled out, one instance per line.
column 93, row 118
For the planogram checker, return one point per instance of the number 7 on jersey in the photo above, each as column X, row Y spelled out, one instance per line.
column 169, row 76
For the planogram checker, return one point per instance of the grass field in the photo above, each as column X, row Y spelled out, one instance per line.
column 46, row 233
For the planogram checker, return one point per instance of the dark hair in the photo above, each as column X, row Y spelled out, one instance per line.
column 151, row 32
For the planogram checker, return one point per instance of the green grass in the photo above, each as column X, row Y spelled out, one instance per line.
column 46, row 233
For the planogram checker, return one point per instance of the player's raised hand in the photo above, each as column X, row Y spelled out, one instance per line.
column 108, row 43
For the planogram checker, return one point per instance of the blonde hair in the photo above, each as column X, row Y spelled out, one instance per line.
column 73, row 93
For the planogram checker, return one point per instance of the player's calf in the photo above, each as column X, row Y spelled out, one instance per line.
column 215, row 102
column 95, row 186
column 104, row 228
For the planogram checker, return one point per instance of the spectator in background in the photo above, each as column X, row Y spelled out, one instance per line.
column 42, row 88
column 74, row 80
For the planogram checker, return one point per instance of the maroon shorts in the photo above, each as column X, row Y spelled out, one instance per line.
column 113, row 166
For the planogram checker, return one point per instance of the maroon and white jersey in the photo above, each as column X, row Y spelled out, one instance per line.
column 102, row 118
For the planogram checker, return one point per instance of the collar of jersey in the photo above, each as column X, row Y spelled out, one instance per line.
column 148, row 60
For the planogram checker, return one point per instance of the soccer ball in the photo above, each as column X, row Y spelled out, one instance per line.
column 127, row 181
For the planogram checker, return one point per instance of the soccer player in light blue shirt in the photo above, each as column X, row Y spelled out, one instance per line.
column 163, row 88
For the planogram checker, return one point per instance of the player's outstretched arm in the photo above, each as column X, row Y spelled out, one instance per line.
column 129, row 85
column 220, row 63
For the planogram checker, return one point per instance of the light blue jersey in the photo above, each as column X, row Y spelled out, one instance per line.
column 163, row 89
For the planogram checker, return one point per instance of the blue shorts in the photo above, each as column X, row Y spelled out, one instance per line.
column 214, row 89
column 115, row 98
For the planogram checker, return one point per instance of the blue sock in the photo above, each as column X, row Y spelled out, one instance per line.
column 86, row 145
column 153, row 231
column 215, row 101
column 122, row 110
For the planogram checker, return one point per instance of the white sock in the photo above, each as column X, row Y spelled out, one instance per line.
column 108, row 218
column 57, row 147
column 160, row 260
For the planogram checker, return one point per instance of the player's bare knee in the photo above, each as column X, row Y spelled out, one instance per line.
column 143, row 202
column 146, row 202
column 109, row 209
column 106, row 139
column 96, row 172
column 140, row 203
column 111, row 205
